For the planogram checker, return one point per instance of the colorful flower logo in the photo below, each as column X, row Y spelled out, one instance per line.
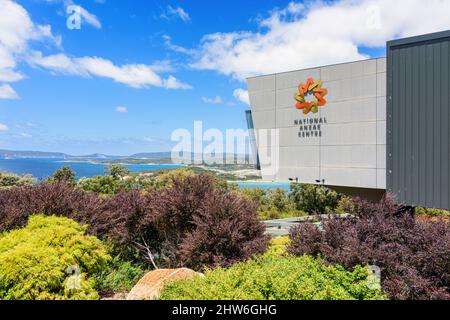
column 313, row 89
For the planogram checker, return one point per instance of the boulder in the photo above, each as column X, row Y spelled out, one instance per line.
column 151, row 285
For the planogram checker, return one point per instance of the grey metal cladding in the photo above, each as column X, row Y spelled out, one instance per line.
column 418, row 118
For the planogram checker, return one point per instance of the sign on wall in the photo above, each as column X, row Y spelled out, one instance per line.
column 310, row 127
column 310, row 89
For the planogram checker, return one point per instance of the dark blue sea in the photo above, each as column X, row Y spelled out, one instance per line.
column 43, row 168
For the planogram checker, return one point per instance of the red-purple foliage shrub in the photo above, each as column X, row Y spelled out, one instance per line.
column 227, row 231
column 414, row 257
column 176, row 226
column 61, row 199
column 192, row 224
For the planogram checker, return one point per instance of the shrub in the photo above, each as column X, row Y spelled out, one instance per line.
column 65, row 174
column 433, row 212
column 314, row 199
column 276, row 278
column 58, row 198
column 414, row 257
column 191, row 224
column 9, row 180
column 119, row 275
column 163, row 225
column 34, row 261
column 106, row 185
column 272, row 204
column 226, row 231
column 278, row 246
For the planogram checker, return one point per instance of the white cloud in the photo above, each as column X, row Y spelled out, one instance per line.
column 169, row 45
column 242, row 96
column 16, row 31
column 172, row 83
column 121, row 109
column 133, row 75
column 216, row 100
column 318, row 33
column 3, row 127
column 7, row 92
column 177, row 12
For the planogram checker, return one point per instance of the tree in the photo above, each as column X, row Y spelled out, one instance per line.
column 118, row 171
column 65, row 174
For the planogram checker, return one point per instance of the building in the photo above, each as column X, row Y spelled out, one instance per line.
column 362, row 127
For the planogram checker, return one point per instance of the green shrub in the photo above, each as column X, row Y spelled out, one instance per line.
column 314, row 199
column 102, row 184
column 9, row 180
column 272, row 204
column 278, row 246
column 65, row 174
column 276, row 278
column 50, row 259
column 119, row 276
column 433, row 212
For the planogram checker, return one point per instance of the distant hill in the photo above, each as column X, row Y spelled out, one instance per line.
column 165, row 157
column 151, row 155
column 8, row 154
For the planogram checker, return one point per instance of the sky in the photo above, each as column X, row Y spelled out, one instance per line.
column 118, row 77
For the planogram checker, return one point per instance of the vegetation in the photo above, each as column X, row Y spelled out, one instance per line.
column 314, row 199
column 414, row 257
column 193, row 223
column 302, row 200
column 57, row 261
column 180, row 218
column 275, row 277
column 9, row 180
column 118, row 276
column 65, row 174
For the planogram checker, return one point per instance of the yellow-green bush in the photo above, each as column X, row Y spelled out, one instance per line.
column 278, row 246
column 50, row 259
column 273, row 277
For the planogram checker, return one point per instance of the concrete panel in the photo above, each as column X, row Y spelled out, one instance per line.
column 381, row 178
column 338, row 71
column 381, row 132
column 358, row 156
column 285, row 98
column 381, row 84
column 381, row 108
column 350, row 177
column 300, row 156
column 305, row 175
column 381, row 65
column 350, row 111
column 288, row 80
column 262, row 100
column 287, row 116
column 349, row 134
column 289, row 138
column 353, row 88
column 264, row 119
column 263, row 83
column 381, row 156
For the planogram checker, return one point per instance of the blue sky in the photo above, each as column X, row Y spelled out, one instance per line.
column 137, row 70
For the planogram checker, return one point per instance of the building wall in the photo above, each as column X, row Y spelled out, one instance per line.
column 351, row 150
column 418, row 128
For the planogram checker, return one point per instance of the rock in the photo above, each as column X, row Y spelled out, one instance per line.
column 151, row 285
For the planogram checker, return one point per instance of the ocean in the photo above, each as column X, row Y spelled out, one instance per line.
column 43, row 168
